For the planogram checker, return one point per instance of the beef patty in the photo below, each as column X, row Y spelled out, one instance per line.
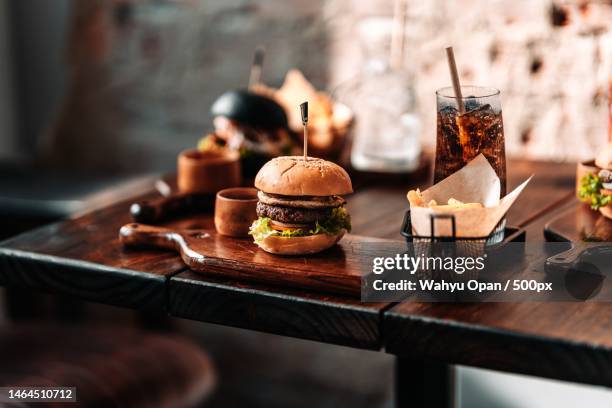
column 301, row 201
column 293, row 215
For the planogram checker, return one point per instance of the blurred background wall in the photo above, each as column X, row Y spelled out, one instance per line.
column 122, row 85
column 551, row 59
column 7, row 113
column 37, row 32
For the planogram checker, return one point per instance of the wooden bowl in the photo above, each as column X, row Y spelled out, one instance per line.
column 235, row 211
column 208, row 172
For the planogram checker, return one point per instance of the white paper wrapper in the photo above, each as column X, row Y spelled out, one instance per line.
column 474, row 183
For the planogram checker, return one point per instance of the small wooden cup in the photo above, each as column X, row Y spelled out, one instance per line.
column 208, row 172
column 235, row 211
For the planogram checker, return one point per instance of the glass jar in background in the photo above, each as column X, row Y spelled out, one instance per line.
column 388, row 128
column 460, row 138
column 386, row 135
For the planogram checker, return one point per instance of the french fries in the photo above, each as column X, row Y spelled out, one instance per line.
column 416, row 200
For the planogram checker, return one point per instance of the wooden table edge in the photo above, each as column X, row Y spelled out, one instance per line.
column 374, row 315
column 268, row 293
column 6, row 243
column 11, row 256
column 61, row 261
column 528, row 340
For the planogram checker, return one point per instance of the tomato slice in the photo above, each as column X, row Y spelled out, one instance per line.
column 281, row 226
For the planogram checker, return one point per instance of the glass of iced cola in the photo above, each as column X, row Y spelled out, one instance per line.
column 480, row 129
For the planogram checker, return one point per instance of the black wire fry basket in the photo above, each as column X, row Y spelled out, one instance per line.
column 452, row 246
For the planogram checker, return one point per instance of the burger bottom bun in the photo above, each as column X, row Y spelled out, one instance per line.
column 606, row 211
column 299, row 245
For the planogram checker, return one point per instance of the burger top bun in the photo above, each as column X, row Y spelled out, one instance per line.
column 299, row 245
column 294, row 176
column 604, row 158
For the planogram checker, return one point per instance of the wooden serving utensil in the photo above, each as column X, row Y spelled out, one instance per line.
column 162, row 208
column 585, row 264
column 572, row 256
column 581, row 270
column 338, row 269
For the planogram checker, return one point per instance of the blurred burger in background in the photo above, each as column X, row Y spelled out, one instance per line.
column 596, row 188
column 254, row 125
column 300, row 208
column 263, row 122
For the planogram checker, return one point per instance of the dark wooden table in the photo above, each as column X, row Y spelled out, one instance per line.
column 82, row 257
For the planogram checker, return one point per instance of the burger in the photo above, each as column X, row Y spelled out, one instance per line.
column 254, row 125
column 596, row 188
column 300, row 207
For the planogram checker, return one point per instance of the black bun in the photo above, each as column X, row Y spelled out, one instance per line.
column 250, row 109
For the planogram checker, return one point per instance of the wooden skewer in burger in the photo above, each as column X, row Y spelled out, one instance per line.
column 300, row 209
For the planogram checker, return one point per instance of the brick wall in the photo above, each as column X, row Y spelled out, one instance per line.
column 150, row 69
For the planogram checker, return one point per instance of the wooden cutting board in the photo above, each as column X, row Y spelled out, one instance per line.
column 337, row 270
column 590, row 234
column 580, row 223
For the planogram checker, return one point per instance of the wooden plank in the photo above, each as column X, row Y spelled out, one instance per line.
column 306, row 315
column 535, row 229
column 579, row 223
column 551, row 183
column 566, row 341
column 82, row 257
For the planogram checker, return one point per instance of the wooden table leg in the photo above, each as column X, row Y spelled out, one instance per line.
column 420, row 383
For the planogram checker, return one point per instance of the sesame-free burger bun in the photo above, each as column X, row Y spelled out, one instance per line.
column 299, row 245
column 294, row 176
column 604, row 158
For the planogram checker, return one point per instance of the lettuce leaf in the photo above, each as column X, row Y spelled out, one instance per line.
column 340, row 219
column 590, row 192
